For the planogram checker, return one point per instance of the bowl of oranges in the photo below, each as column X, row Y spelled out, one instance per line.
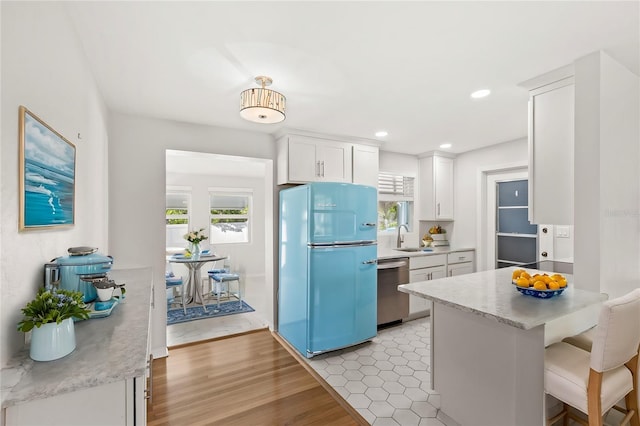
column 543, row 286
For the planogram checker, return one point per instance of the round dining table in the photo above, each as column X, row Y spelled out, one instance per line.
column 192, row 286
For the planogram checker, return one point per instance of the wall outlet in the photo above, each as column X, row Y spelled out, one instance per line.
column 562, row 232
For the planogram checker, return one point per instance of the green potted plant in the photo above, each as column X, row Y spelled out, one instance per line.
column 50, row 317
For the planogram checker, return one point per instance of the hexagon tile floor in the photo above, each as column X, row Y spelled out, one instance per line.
column 386, row 380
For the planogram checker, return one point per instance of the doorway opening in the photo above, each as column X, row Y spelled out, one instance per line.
column 231, row 199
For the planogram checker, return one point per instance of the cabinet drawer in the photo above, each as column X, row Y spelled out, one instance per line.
column 460, row 256
column 426, row 261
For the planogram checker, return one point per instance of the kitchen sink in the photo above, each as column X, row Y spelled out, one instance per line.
column 414, row 249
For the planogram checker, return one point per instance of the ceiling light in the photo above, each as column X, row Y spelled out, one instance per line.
column 445, row 145
column 262, row 105
column 381, row 134
column 480, row 93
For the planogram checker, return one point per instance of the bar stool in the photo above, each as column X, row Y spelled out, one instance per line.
column 220, row 278
column 594, row 382
column 172, row 282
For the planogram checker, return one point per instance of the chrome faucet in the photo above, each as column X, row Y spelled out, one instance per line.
column 399, row 241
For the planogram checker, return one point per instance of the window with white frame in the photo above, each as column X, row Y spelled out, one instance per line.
column 395, row 201
column 230, row 213
column 178, row 203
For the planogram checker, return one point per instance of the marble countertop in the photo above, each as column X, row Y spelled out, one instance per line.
column 391, row 253
column 108, row 349
column 492, row 295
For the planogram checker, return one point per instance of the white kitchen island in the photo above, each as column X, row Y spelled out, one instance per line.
column 488, row 344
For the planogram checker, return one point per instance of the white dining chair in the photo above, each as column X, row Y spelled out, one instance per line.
column 593, row 382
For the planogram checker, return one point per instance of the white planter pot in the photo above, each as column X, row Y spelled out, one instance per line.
column 52, row 341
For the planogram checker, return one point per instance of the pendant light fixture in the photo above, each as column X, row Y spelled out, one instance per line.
column 262, row 105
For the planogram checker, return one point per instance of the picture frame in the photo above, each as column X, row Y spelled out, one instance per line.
column 47, row 168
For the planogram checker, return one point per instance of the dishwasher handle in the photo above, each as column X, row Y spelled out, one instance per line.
column 393, row 264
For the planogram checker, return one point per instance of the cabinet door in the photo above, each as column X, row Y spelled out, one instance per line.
column 551, row 140
column 334, row 161
column 303, row 165
column 439, row 272
column 105, row 404
column 365, row 165
column 436, row 188
column 418, row 304
column 444, row 188
column 460, row 269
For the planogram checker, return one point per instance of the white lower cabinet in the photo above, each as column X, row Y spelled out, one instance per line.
column 108, row 404
column 424, row 268
column 460, row 263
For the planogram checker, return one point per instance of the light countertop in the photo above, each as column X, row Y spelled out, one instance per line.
column 391, row 253
column 492, row 295
column 108, row 350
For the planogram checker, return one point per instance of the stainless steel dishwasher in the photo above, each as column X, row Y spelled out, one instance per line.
column 393, row 305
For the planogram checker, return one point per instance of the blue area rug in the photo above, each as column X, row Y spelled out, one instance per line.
column 176, row 315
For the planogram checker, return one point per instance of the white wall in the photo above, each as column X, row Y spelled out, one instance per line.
column 44, row 69
column 406, row 165
column 137, row 193
column 607, row 214
column 467, row 181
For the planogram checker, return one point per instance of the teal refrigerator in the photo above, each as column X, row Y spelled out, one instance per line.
column 327, row 292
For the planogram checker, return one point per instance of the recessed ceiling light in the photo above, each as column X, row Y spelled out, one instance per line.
column 480, row 93
column 381, row 134
column 445, row 145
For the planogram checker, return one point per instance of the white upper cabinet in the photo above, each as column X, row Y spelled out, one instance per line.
column 436, row 188
column 551, row 140
column 303, row 159
column 365, row 165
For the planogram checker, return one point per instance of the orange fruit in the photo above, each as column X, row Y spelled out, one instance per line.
column 539, row 285
column 522, row 282
column 524, row 274
column 516, row 274
column 562, row 283
column 554, row 285
column 547, row 279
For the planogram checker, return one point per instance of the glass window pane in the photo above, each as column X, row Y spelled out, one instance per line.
column 514, row 193
column 391, row 214
column 230, row 218
column 517, row 249
column 515, row 221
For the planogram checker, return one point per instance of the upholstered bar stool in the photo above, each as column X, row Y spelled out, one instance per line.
column 220, row 279
column 594, row 382
column 172, row 282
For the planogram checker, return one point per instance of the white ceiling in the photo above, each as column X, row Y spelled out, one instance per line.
column 348, row 68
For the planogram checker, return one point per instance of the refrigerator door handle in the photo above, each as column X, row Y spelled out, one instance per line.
column 370, row 262
column 369, row 224
column 342, row 244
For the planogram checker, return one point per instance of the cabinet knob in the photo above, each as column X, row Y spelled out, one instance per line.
column 545, row 230
column 544, row 254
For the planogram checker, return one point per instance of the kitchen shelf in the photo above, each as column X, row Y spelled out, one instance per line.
column 506, row 234
column 511, row 262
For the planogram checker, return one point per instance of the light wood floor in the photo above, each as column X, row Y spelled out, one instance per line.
column 244, row 380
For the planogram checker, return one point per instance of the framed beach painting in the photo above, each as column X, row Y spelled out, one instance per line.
column 47, row 175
